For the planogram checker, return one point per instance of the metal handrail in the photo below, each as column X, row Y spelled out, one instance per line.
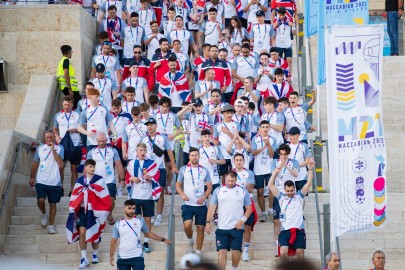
column 318, row 213
column 54, row 103
column 171, row 233
column 10, row 177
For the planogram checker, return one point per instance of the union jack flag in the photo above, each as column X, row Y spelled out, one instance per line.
column 149, row 168
column 80, row 168
column 97, row 204
column 239, row 8
column 204, row 124
column 178, row 82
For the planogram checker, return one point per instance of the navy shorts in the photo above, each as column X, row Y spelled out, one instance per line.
column 162, row 179
column 285, row 52
column 229, row 239
column 119, row 150
column 224, row 168
column 261, row 180
column 146, row 208
column 300, row 241
column 82, row 218
column 167, row 159
column 276, row 208
column 199, row 213
column 214, row 187
column 185, row 158
column 76, row 156
column 112, row 189
column 250, row 220
column 137, row 263
column 300, row 184
column 53, row 193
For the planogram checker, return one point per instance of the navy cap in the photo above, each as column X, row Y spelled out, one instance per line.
column 100, row 67
column 198, row 102
column 151, row 121
column 294, row 131
column 260, row 13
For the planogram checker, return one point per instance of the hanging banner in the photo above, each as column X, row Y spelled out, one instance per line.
column 337, row 12
column 357, row 153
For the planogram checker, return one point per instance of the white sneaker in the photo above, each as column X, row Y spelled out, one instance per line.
column 83, row 263
column 263, row 217
column 169, row 190
column 94, row 259
column 190, row 247
column 158, row 220
column 266, row 191
column 44, row 220
column 153, row 219
column 51, row 229
column 245, row 256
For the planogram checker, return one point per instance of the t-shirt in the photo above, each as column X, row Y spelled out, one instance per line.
column 132, row 135
column 160, row 141
column 295, row 117
column 66, row 121
column 128, row 105
column 246, row 157
column 196, row 121
column 183, row 60
column 194, row 180
column 253, row 9
column 275, row 118
column 145, row 17
column 203, row 86
column 212, row 152
column 230, row 202
column 106, row 87
column 223, row 138
column 243, row 121
column 140, row 86
column 211, row 32
column 300, row 152
column 130, row 243
column 142, row 190
column 166, row 124
column 132, row 36
column 261, row 33
column 220, row 10
column 292, row 210
column 96, row 119
column 285, row 174
column 283, row 34
column 245, row 177
column 48, row 170
column 262, row 160
column 246, row 67
column 105, row 159
column 153, row 44
column 111, row 63
column 184, row 36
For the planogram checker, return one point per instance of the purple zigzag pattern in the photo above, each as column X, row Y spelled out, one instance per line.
column 344, row 77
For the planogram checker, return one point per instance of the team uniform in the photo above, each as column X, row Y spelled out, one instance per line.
column 183, row 60
column 230, row 202
column 244, row 178
column 96, row 119
column 296, row 117
column 194, row 180
column 204, row 86
column 243, row 121
column 105, row 159
column 262, row 160
column 196, row 122
column 140, row 86
column 184, row 36
column 105, row 86
column 225, row 140
column 212, row 152
column 211, row 32
column 64, row 122
column 166, row 124
column 145, row 17
column 132, row 36
column 128, row 105
column 216, row 118
column 220, row 10
column 48, row 180
column 111, row 63
column 120, row 122
column 132, row 135
column 275, row 118
column 283, row 37
column 300, row 152
column 153, row 44
column 261, row 33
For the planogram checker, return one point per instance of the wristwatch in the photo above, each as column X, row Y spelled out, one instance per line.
column 163, row 239
column 208, row 222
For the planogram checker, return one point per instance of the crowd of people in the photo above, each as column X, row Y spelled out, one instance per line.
column 216, row 77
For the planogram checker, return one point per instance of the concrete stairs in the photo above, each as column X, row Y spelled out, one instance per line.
column 29, row 240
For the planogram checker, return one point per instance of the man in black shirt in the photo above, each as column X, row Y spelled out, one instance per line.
column 395, row 9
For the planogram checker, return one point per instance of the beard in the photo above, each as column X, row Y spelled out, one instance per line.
column 130, row 214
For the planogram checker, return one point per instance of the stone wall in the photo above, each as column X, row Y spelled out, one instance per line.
column 31, row 36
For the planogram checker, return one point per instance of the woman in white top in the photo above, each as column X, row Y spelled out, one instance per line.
column 236, row 31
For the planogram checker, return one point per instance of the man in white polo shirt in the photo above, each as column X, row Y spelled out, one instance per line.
column 291, row 215
column 107, row 159
column 134, row 34
column 204, row 87
column 105, row 86
column 67, row 121
column 129, row 229
column 230, row 201
column 191, row 181
column 48, row 159
column 211, row 29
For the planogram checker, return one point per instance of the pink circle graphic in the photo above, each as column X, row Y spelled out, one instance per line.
column 379, row 184
column 379, row 212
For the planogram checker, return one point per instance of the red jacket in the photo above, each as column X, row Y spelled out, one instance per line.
column 222, row 74
column 162, row 69
column 143, row 70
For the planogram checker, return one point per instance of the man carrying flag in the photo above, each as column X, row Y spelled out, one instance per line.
column 174, row 85
column 143, row 176
column 89, row 208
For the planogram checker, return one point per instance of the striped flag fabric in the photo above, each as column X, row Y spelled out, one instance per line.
column 239, row 8
column 149, row 168
column 97, row 204
column 178, row 82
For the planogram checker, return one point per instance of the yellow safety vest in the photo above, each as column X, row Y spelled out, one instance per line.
column 61, row 76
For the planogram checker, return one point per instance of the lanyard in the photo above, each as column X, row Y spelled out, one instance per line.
column 296, row 121
column 202, row 147
column 47, row 156
column 68, row 119
column 241, row 121
column 271, row 116
column 288, row 204
column 118, row 118
column 206, row 88
column 248, row 62
column 91, row 115
column 136, row 37
column 265, row 31
column 101, row 154
column 105, row 82
column 184, row 35
column 285, row 167
column 161, row 119
column 152, row 142
column 223, row 123
column 132, row 229
column 126, row 106
column 239, row 178
column 213, row 29
column 139, row 169
column 136, row 82
column 192, row 176
column 296, row 150
column 136, row 128
column 146, row 17
column 105, row 61
column 285, row 23
column 195, row 120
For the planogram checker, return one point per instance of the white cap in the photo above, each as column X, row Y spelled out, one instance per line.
column 190, row 258
column 239, row 102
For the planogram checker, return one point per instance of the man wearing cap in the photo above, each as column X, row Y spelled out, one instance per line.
column 224, row 133
column 105, row 86
column 143, row 66
column 261, row 34
column 156, row 146
column 243, row 66
column 252, row 8
column 66, row 76
column 111, row 63
column 300, row 153
column 137, row 82
column 203, row 87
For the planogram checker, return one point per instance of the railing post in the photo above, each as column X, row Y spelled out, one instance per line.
column 318, row 149
column 326, row 228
